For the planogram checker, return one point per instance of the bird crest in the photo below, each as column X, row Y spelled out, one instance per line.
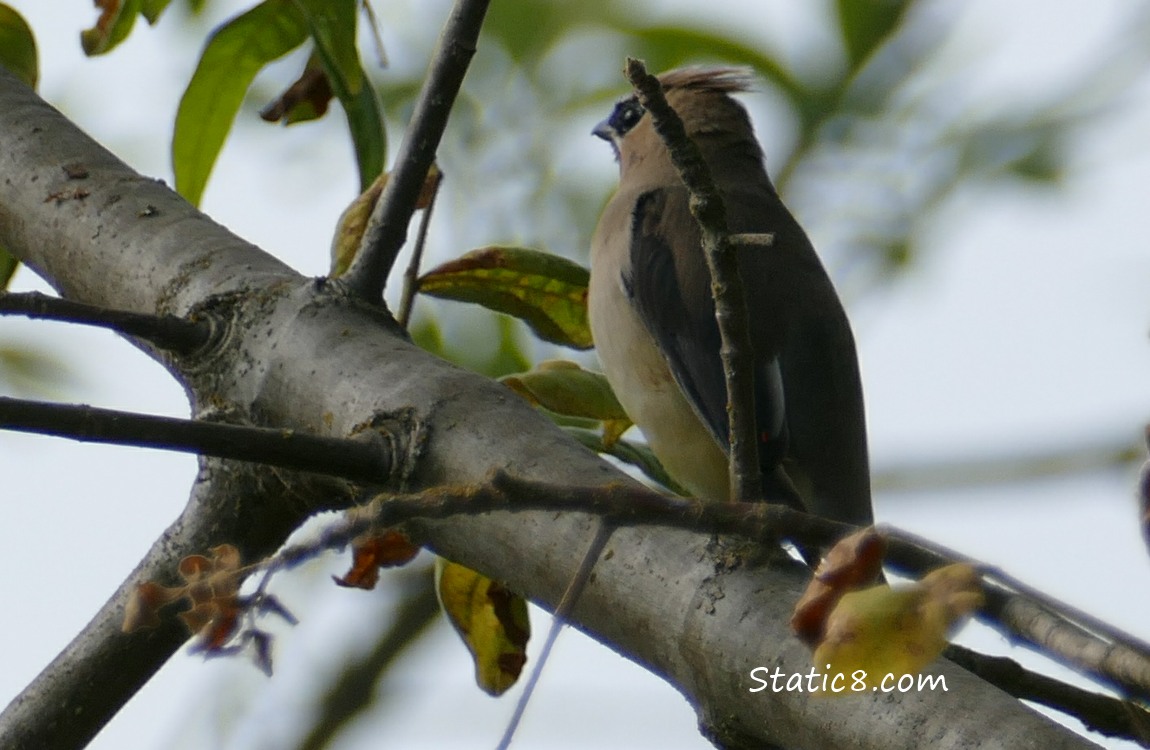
column 720, row 80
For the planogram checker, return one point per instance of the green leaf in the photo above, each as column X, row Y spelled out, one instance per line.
column 351, row 226
column 8, row 266
column 36, row 373
column 509, row 356
column 117, row 17
column 636, row 454
column 153, row 9
column 305, row 100
column 566, row 388
column 333, row 28
column 353, row 221
column 368, row 135
column 547, row 292
column 234, row 54
column 866, row 24
column 18, row 49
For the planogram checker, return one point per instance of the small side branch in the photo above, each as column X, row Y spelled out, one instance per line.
column 387, row 228
column 362, row 459
column 1070, row 636
column 726, row 283
column 411, row 275
column 167, row 332
column 1100, row 713
column 618, row 505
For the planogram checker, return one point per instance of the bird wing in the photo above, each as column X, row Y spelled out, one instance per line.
column 670, row 288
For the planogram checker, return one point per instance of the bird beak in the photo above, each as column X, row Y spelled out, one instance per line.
column 604, row 131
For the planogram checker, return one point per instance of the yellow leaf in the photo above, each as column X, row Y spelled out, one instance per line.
column 613, row 429
column 354, row 219
column 883, row 630
column 491, row 620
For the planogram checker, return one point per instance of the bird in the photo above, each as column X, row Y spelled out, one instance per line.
column 653, row 322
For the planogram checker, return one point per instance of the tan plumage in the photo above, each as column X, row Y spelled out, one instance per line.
column 653, row 318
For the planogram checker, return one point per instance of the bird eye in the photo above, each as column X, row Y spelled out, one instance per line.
column 627, row 114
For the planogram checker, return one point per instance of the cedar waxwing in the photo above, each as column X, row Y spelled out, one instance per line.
column 653, row 319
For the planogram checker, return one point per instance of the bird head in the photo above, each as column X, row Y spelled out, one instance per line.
column 711, row 116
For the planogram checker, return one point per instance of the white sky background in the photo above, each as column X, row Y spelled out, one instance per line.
column 1027, row 327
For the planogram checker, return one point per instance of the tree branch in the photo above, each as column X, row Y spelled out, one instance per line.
column 1102, row 652
column 1054, row 628
column 411, row 273
column 1000, row 468
column 364, row 458
column 726, row 284
column 167, row 332
column 1100, row 713
column 622, row 505
column 387, row 228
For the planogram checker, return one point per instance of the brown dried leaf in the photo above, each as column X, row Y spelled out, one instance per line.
column 306, row 99
column 144, row 604
column 385, row 550
column 353, row 221
column 854, row 562
column 211, row 588
column 212, row 578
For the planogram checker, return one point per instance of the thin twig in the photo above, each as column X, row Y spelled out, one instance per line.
column 1109, row 716
column 619, row 504
column 387, row 228
column 1078, row 640
column 726, row 283
column 164, row 331
column 376, row 37
column 411, row 274
column 902, row 541
column 562, row 612
column 362, row 458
